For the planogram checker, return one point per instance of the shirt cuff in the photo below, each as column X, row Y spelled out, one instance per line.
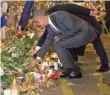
column 39, row 58
column 37, row 48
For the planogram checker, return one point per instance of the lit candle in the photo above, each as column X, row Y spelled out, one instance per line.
column 55, row 65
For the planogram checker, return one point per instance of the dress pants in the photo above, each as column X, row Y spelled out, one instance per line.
column 66, row 58
column 98, row 46
column 26, row 14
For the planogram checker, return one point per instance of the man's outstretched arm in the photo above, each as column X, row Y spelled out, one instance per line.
column 71, row 8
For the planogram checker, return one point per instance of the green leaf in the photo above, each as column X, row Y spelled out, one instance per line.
column 6, row 79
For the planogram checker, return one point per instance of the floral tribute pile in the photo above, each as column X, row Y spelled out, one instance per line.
column 16, row 77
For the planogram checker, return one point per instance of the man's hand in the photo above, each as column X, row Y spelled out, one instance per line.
column 32, row 65
column 93, row 13
column 99, row 13
column 33, row 52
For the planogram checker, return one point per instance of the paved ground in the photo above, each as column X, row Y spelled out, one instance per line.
column 92, row 83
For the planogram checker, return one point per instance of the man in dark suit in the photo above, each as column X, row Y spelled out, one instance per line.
column 83, row 13
column 72, row 32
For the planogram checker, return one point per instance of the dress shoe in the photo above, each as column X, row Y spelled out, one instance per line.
column 103, row 69
column 73, row 75
column 70, row 74
column 65, row 72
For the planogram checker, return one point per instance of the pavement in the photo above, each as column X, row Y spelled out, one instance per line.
column 92, row 83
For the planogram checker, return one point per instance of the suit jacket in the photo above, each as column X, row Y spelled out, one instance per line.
column 71, row 8
column 107, row 17
column 107, row 7
column 69, row 26
column 77, row 10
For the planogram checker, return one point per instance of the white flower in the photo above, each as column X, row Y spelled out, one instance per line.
column 11, row 49
column 31, row 35
column 28, row 33
column 1, row 72
column 44, row 65
column 15, row 55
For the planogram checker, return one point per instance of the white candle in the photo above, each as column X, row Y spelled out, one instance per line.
column 55, row 65
column 7, row 92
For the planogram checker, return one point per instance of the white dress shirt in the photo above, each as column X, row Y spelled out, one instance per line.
column 51, row 24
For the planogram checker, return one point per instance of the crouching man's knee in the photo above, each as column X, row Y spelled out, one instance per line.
column 57, row 46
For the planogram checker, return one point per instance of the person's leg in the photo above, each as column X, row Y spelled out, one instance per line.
column 74, row 54
column 108, row 24
column 67, row 60
column 26, row 14
column 77, row 51
column 98, row 46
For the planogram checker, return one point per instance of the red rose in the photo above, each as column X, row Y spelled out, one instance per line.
column 41, row 77
column 38, row 71
column 19, row 35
